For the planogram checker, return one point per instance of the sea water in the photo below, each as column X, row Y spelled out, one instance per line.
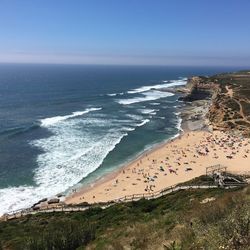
column 68, row 125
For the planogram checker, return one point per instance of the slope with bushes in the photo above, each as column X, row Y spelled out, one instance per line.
column 192, row 219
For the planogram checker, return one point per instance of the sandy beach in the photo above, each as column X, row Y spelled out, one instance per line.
column 177, row 161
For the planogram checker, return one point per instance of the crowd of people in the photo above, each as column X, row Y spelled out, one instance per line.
column 179, row 160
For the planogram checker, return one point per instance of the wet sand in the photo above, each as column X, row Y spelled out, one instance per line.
column 174, row 162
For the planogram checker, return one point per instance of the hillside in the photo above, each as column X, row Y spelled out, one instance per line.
column 230, row 99
column 211, row 219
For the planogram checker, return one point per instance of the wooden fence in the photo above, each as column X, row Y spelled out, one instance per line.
column 103, row 205
column 126, row 198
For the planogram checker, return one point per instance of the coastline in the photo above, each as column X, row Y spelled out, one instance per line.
column 112, row 175
column 199, row 144
column 168, row 163
column 185, row 127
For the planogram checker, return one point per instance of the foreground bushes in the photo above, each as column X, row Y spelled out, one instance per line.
column 176, row 221
column 64, row 236
column 45, row 234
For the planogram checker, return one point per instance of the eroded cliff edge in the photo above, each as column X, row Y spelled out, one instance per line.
column 225, row 100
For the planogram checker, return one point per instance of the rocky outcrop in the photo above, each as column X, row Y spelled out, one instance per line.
column 53, row 201
column 229, row 94
column 199, row 89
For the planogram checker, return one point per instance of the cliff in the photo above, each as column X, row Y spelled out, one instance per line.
column 199, row 88
column 230, row 103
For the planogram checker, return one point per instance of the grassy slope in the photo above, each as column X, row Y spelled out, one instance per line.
column 179, row 218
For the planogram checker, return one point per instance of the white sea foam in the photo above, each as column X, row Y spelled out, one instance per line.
column 135, row 117
column 178, row 126
column 166, row 84
column 69, row 157
column 128, row 129
column 47, row 122
column 55, row 179
column 147, row 111
column 70, row 154
column 146, row 96
column 155, row 103
column 179, row 121
column 115, row 94
column 74, row 150
column 143, row 122
column 174, row 136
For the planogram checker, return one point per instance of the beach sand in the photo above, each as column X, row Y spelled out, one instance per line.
column 174, row 162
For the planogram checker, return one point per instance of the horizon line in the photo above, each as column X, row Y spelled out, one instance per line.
column 125, row 64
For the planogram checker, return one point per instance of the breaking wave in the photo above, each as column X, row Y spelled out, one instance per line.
column 166, row 84
column 74, row 150
column 47, row 122
column 146, row 96
column 143, row 122
column 148, row 111
column 79, row 143
column 115, row 94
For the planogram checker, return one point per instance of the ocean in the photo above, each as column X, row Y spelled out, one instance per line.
column 64, row 126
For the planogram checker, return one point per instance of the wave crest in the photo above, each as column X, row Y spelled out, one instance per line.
column 143, row 122
column 166, row 84
column 146, row 96
column 47, row 122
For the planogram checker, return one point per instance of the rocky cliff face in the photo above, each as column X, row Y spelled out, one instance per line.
column 199, row 89
column 229, row 94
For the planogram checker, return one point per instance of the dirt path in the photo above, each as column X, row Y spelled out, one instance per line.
column 229, row 92
column 244, row 118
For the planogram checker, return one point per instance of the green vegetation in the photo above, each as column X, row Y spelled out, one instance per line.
column 192, row 219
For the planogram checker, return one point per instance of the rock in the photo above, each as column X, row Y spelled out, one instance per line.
column 35, row 204
column 207, row 200
column 36, row 207
column 54, row 200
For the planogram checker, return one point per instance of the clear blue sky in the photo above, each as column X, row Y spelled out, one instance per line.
column 184, row 32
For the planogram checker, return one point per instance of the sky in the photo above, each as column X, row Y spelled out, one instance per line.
column 133, row 32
